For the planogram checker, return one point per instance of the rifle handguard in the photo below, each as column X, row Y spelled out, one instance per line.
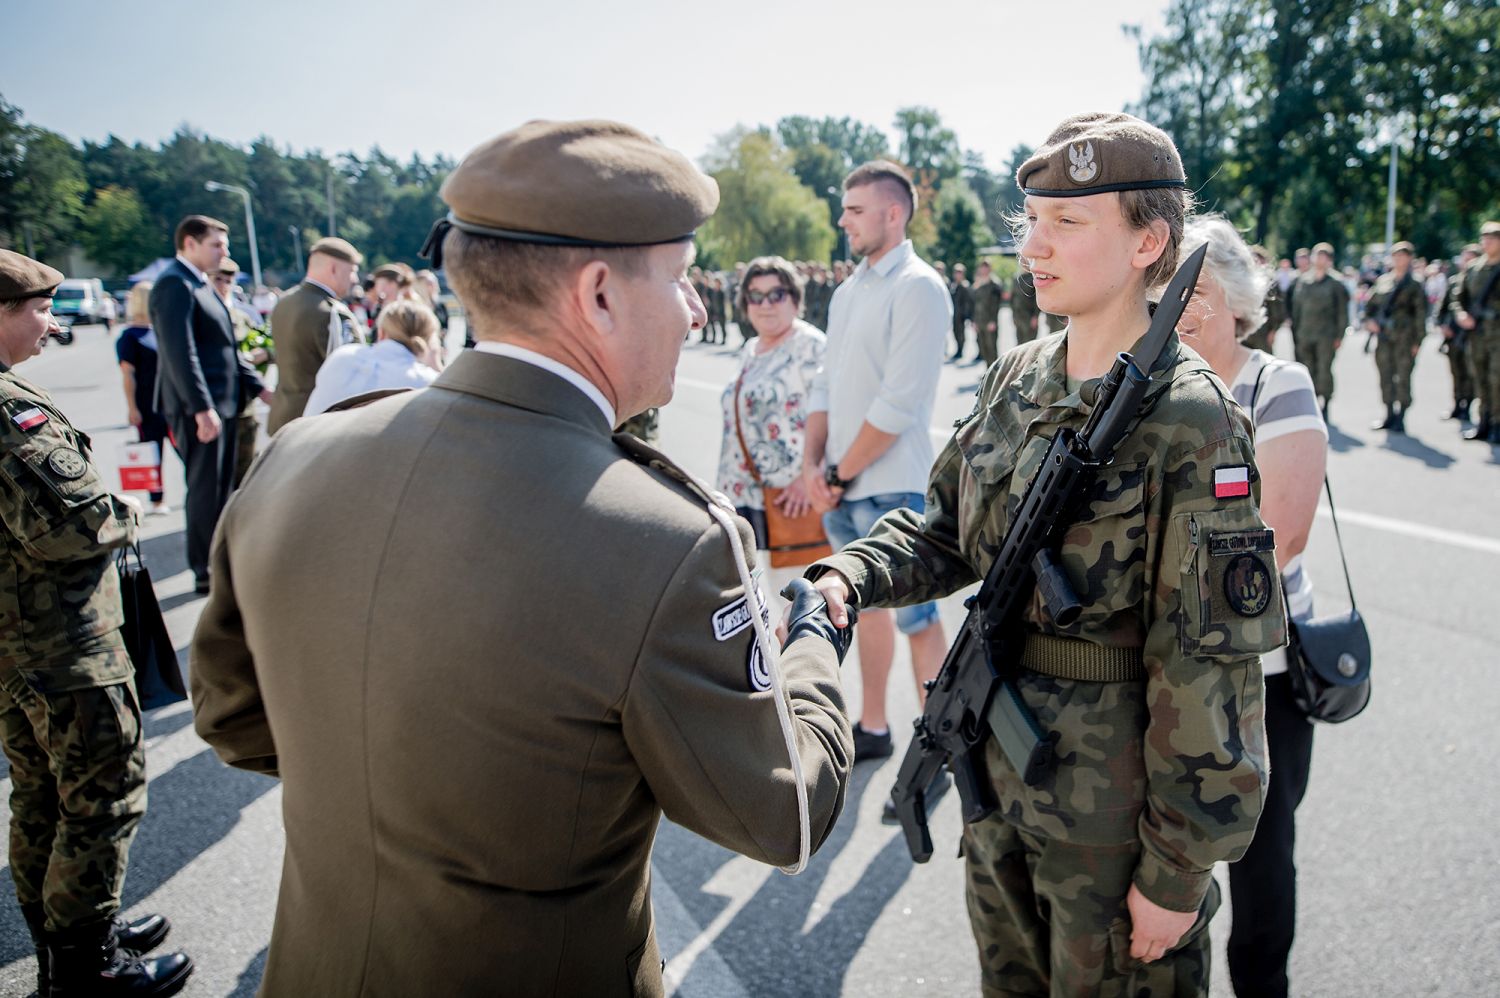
column 810, row 616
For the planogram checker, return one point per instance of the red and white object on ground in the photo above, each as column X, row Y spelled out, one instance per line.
column 140, row 467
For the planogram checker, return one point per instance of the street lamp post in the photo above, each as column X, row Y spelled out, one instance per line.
column 214, row 185
column 296, row 242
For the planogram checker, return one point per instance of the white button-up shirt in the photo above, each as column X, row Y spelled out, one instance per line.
column 355, row 369
column 888, row 326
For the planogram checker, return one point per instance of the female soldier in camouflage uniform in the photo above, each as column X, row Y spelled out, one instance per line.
column 1098, row 882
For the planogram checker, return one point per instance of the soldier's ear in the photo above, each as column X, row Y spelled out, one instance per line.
column 592, row 295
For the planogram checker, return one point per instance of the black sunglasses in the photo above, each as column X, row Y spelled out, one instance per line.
column 775, row 296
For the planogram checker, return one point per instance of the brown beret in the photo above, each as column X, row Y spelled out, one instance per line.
column 337, row 248
column 1323, row 248
column 1490, row 229
column 1404, row 247
column 1099, row 152
column 398, row 272
column 576, row 183
column 228, row 266
column 23, row 277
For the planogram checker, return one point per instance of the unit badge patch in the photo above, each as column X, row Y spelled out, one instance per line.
column 1247, row 586
column 67, row 463
column 755, row 666
column 1082, row 166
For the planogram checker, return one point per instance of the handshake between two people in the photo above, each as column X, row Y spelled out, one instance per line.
column 821, row 609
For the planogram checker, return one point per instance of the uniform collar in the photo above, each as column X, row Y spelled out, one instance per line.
column 513, row 380
column 320, row 287
column 1045, row 382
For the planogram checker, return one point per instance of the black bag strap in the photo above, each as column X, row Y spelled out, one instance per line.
column 1332, row 513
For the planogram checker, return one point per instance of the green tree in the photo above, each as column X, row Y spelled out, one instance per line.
column 928, row 148
column 763, row 207
column 961, row 227
column 47, row 194
column 115, row 232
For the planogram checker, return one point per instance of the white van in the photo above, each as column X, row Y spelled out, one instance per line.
column 83, row 300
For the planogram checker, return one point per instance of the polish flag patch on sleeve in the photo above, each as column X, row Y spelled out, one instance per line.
column 1232, row 481
column 30, row 419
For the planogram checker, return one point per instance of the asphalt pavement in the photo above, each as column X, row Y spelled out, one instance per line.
column 1400, row 863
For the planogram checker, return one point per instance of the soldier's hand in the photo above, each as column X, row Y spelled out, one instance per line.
column 1153, row 929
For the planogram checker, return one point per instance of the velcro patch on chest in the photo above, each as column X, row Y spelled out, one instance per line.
column 1231, row 481
column 29, row 419
column 1241, row 542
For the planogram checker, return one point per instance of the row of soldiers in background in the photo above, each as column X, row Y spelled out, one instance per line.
column 979, row 303
column 718, row 294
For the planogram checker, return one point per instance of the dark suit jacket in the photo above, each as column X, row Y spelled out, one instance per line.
column 200, row 366
column 470, row 809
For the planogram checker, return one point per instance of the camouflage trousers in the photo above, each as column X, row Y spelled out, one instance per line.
column 78, row 791
column 1393, row 364
column 1050, row 920
column 1458, row 366
column 1484, row 361
column 1316, row 354
column 989, row 347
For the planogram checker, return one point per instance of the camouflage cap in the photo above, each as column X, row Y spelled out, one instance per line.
column 1099, row 152
column 1490, row 229
column 576, row 183
column 398, row 272
column 23, row 277
column 1323, row 248
column 337, row 248
column 1404, row 247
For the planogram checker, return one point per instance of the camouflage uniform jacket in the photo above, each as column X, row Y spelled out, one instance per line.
column 1319, row 307
column 1177, row 761
column 60, row 610
column 1466, row 292
column 988, row 297
column 1400, row 307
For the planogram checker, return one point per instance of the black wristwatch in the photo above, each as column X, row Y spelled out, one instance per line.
column 831, row 476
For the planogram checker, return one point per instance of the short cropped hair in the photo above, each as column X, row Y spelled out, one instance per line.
column 196, row 227
column 896, row 180
column 516, row 280
column 781, row 269
column 1232, row 266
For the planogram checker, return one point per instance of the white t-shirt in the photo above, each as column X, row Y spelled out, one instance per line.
column 1285, row 402
column 354, row 369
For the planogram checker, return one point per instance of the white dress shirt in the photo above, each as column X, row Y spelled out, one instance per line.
column 558, row 368
column 887, row 336
column 354, row 369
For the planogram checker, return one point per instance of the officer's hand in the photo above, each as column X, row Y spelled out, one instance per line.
column 1154, row 929
column 809, row 613
column 1465, row 320
column 208, row 426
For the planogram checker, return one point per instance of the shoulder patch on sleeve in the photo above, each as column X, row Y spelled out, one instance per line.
column 29, row 419
column 1232, row 481
column 66, row 463
column 755, row 667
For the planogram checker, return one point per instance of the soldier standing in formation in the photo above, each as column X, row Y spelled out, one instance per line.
column 988, row 295
column 1455, row 339
column 69, row 718
column 963, row 308
column 1319, row 309
column 1024, row 314
column 1274, row 304
column 1476, row 310
column 1100, row 880
column 1396, row 314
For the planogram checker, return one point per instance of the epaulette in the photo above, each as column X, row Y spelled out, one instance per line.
column 643, row 453
column 359, row 401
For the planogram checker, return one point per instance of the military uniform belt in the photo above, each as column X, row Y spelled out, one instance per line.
column 1082, row 661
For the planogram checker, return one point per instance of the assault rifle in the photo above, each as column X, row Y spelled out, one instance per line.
column 975, row 693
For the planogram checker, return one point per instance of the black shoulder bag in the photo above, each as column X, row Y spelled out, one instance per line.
column 158, row 680
column 1328, row 658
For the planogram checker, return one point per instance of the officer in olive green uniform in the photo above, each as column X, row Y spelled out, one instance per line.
column 1162, row 762
column 1319, row 314
column 69, row 718
column 1477, row 312
column 309, row 323
column 988, row 295
column 1456, row 339
column 1396, row 314
column 1024, row 314
column 1274, row 304
column 470, row 808
column 963, row 308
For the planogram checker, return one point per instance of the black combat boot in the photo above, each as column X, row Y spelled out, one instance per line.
column 1494, row 437
column 1460, row 409
column 142, row 935
column 86, row 961
column 36, row 924
column 1388, row 422
column 1479, row 431
column 1398, row 425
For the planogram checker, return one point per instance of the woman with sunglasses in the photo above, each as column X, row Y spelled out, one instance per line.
column 765, row 406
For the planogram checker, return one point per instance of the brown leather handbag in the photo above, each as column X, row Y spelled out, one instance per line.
column 791, row 540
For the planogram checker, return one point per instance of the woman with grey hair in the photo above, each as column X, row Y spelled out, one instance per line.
column 1291, row 451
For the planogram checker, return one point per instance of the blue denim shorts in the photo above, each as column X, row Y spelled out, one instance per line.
column 852, row 519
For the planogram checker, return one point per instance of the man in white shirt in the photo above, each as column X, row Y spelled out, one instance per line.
column 868, row 446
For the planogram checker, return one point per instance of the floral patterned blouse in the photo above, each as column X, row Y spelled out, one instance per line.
column 773, row 414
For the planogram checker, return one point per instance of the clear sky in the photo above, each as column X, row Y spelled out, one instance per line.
column 444, row 75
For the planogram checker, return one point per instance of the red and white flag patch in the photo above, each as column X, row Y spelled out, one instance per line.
column 1232, row 481
column 30, row 419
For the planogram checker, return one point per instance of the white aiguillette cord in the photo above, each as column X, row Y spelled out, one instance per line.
column 720, row 509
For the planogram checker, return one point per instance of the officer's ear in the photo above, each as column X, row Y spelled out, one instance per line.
column 593, row 292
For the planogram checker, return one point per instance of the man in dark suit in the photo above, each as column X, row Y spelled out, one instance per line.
column 202, row 379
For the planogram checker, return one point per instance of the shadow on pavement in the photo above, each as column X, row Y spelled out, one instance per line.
column 1340, row 441
column 765, row 942
column 1407, row 446
column 250, row 977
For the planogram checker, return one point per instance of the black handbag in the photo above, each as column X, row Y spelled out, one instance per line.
column 158, row 680
column 1328, row 658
